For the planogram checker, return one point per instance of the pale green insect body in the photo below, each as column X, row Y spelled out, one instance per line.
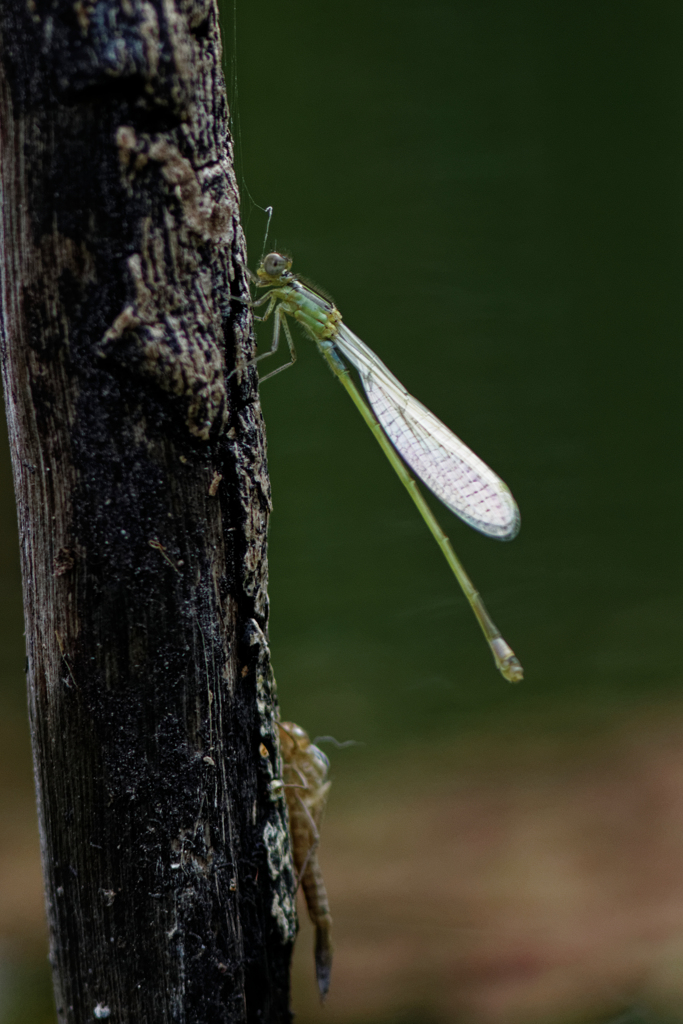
column 406, row 430
column 316, row 314
column 320, row 318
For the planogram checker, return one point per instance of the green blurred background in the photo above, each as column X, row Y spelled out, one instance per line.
column 491, row 193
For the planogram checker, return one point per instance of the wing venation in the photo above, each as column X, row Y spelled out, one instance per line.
column 451, row 470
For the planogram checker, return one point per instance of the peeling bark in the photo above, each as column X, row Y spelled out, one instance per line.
column 143, row 501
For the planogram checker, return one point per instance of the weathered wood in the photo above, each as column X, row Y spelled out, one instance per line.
column 143, row 499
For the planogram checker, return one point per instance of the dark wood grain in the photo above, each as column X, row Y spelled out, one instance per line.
column 143, row 501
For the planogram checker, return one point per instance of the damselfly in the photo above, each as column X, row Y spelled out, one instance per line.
column 306, row 787
column 401, row 425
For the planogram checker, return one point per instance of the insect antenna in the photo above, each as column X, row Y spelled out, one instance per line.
column 339, row 744
column 269, row 211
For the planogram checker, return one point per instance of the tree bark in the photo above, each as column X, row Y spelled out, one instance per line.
column 143, row 499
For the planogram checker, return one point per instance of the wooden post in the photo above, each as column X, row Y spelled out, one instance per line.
column 143, row 500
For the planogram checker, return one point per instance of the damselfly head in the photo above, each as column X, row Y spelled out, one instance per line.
column 293, row 738
column 273, row 267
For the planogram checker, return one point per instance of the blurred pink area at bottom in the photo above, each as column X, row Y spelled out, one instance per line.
column 547, row 888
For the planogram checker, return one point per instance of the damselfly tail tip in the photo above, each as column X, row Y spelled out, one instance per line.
column 507, row 662
column 323, row 977
column 512, row 670
column 323, row 958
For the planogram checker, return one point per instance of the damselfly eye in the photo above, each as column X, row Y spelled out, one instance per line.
column 274, row 264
